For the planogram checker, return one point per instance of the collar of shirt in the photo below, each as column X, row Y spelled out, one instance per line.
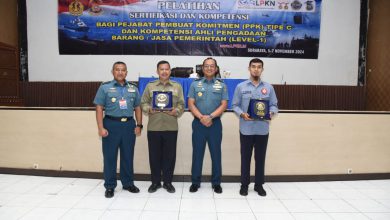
column 118, row 84
column 207, row 81
column 251, row 83
column 169, row 83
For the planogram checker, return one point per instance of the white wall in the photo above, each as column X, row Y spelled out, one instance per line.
column 337, row 63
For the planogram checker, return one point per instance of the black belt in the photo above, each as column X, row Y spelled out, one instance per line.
column 121, row 119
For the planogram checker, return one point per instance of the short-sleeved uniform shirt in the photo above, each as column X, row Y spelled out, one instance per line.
column 243, row 93
column 118, row 100
column 208, row 94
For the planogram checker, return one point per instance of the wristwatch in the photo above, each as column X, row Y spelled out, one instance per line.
column 140, row 126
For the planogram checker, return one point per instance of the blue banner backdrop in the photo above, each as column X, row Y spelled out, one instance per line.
column 244, row 28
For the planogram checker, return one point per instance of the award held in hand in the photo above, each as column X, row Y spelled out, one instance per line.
column 162, row 101
column 258, row 109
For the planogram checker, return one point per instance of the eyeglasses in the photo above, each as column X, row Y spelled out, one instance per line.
column 209, row 66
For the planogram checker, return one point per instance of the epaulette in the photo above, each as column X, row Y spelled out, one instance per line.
column 103, row 83
column 198, row 79
column 133, row 83
column 221, row 80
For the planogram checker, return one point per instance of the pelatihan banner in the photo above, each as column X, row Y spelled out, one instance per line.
column 241, row 28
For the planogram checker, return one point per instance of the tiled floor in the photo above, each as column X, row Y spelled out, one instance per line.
column 33, row 197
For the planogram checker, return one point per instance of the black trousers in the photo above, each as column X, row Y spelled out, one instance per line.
column 248, row 142
column 162, row 155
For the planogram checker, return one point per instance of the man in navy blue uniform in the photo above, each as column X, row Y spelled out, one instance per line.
column 119, row 99
column 253, row 133
column 207, row 100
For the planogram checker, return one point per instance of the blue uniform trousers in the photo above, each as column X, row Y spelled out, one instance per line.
column 120, row 136
column 213, row 136
column 248, row 142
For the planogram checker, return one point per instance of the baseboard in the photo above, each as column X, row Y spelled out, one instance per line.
column 205, row 178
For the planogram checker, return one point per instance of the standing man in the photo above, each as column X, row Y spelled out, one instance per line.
column 207, row 100
column 162, row 128
column 253, row 134
column 119, row 99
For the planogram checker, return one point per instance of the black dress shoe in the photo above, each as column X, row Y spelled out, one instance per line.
column 169, row 187
column 132, row 189
column 194, row 188
column 260, row 190
column 217, row 188
column 154, row 187
column 244, row 190
column 109, row 193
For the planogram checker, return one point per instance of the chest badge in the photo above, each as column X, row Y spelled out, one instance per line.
column 113, row 99
column 264, row 91
column 200, row 94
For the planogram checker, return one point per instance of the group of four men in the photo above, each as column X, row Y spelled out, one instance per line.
column 207, row 101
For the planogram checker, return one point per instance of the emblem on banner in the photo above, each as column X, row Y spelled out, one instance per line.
column 95, row 8
column 76, row 8
column 309, row 5
column 296, row 5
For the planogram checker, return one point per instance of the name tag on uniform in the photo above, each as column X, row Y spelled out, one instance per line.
column 122, row 104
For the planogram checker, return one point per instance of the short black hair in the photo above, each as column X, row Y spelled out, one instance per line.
column 210, row 58
column 256, row 60
column 119, row 62
column 163, row 62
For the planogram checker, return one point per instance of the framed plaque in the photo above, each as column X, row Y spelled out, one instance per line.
column 258, row 109
column 162, row 101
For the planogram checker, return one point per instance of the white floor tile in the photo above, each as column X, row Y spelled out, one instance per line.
column 94, row 202
column 267, row 206
column 375, row 193
column 385, row 202
column 301, row 206
column 6, row 197
column 160, row 204
column 153, row 215
column 335, row 206
column 32, row 200
column 334, row 185
column 368, row 205
column 311, row 216
column 79, row 190
column 35, row 197
column 82, row 214
column 349, row 194
column 10, row 213
column 378, row 216
column 48, row 189
column 197, row 205
column 236, row 215
column 197, row 215
column 232, row 205
column 45, row 213
column 121, row 215
column 126, row 203
column 289, row 194
column 348, row 216
column 274, row 216
column 61, row 201
column 319, row 194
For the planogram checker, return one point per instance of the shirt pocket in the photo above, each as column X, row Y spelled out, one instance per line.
column 199, row 93
column 130, row 98
column 217, row 95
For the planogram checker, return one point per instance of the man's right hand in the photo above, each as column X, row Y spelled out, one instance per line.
column 103, row 132
column 246, row 117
